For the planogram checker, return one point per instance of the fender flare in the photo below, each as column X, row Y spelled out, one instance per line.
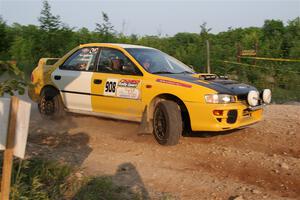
column 50, row 89
column 146, row 122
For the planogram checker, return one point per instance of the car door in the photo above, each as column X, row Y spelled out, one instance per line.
column 116, row 86
column 73, row 78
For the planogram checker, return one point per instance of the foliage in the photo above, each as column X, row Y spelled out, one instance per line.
column 27, row 44
column 48, row 22
column 12, row 79
column 106, row 29
column 38, row 179
column 4, row 41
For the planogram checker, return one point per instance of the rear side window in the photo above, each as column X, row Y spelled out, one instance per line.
column 81, row 60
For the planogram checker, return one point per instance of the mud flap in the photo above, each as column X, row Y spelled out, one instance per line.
column 145, row 127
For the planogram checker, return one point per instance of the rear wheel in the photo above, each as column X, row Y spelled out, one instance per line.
column 167, row 123
column 51, row 105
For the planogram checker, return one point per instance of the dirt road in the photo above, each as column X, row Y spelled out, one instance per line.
column 258, row 162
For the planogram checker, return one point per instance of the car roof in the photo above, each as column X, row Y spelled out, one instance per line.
column 116, row 45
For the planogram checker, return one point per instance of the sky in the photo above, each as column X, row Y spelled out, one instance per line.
column 155, row 17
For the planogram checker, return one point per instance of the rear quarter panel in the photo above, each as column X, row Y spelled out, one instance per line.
column 42, row 75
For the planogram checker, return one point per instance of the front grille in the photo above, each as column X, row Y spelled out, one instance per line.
column 242, row 97
column 232, row 116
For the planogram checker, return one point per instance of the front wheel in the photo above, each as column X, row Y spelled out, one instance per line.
column 167, row 123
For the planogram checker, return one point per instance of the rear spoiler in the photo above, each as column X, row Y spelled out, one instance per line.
column 47, row 62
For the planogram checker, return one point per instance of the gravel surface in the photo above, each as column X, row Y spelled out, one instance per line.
column 258, row 162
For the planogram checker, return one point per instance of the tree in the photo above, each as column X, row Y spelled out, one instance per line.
column 273, row 32
column 4, row 43
column 292, row 37
column 56, row 37
column 105, row 29
column 273, row 28
column 28, row 43
column 48, row 21
column 204, row 31
column 83, row 35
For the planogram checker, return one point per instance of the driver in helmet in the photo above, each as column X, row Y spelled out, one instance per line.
column 146, row 62
column 116, row 63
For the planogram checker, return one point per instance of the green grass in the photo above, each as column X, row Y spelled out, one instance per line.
column 40, row 179
column 99, row 188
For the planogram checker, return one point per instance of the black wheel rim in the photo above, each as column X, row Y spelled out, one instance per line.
column 160, row 124
column 47, row 106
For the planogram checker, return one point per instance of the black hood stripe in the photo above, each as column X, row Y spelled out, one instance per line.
column 222, row 87
column 191, row 79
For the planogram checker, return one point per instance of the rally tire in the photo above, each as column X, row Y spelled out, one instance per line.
column 167, row 123
column 51, row 107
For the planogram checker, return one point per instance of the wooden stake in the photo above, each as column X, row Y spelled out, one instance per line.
column 9, row 151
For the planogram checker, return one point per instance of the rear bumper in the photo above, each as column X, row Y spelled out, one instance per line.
column 234, row 115
column 32, row 94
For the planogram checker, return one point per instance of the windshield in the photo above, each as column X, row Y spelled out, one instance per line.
column 157, row 62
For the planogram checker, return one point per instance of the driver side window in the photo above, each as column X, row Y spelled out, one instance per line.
column 114, row 61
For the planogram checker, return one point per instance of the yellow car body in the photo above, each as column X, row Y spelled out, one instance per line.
column 137, row 101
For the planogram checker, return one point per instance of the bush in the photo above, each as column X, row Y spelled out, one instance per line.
column 38, row 179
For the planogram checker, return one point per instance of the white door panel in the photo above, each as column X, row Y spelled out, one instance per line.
column 75, row 88
column 77, row 101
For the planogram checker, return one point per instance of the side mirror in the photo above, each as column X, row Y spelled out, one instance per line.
column 192, row 67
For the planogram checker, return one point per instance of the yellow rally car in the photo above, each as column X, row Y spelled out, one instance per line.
column 143, row 84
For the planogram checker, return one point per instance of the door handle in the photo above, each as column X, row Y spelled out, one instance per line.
column 57, row 77
column 97, row 81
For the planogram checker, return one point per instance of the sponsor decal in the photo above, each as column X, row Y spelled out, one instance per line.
column 124, row 88
column 128, row 88
column 128, row 83
column 128, row 93
column 173, row 83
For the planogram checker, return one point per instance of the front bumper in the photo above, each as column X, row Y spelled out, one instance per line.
column 234, row 115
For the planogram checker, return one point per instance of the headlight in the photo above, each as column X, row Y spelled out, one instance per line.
column 219, row 98
column 266, row 95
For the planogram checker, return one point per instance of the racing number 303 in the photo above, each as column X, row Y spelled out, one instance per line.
column 110, row 86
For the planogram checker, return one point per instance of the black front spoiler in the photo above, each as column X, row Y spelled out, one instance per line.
column 256, row 107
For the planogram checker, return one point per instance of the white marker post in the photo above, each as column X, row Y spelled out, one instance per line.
column 14, row 123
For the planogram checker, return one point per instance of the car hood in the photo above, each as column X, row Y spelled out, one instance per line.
column 222, row 86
